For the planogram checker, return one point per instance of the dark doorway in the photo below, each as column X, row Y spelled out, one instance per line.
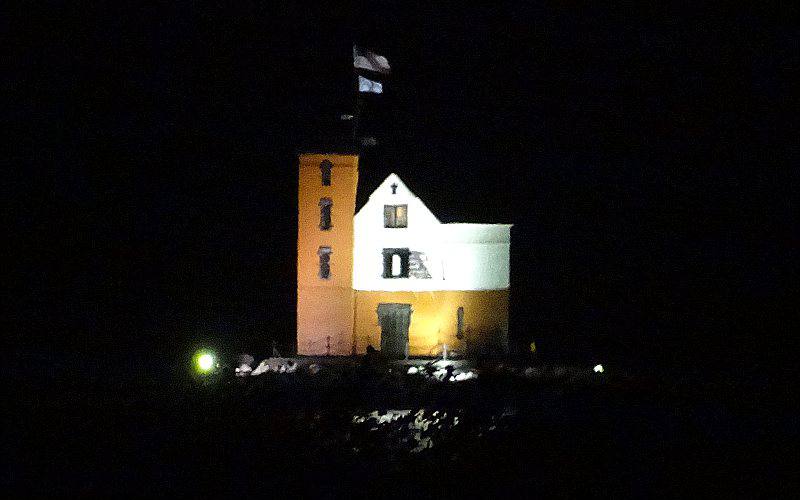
column 394, row 320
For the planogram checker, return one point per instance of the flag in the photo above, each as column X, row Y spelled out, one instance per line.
column 366, row 85
column 365, row 59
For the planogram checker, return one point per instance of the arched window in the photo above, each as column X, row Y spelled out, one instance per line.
column 324, row 262
column 325, row 205
column 325, row 169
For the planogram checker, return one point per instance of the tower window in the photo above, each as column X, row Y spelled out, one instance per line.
column 395, row 262
column 325, row 205
column 325, row 169
column 395, row 216
column 324, row 262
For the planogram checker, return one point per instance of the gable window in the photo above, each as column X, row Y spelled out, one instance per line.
column 324, row 262
column 325, row 205
column 395, row 262
column 325, row 169
column 395, row 216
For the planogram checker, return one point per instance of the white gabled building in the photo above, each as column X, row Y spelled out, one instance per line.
column 401, row 249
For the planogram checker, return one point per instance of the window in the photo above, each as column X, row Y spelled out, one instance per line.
column 324, row 262
column 395, row 262
column 325, row 205
column 325, row 169
column 460, row 323
column 395, row 216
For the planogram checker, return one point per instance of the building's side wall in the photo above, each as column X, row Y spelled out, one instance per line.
column 452, row 266
column 325, row 307
column 324, row 321
column 434, row 320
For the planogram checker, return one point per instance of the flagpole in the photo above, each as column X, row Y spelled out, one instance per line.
column 373, row 63
column 357, row 108
column 356, row 115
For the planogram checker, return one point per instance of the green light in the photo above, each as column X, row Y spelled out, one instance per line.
column 204, row 361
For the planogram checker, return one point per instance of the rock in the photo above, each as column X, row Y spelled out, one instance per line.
column 531, row 372
column 261, row 368
column 246, row 359
column 460, row 377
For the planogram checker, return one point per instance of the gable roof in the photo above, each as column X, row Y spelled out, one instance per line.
column 389, row 181
column 369, row 183
column 385, row 192
column 452, row 198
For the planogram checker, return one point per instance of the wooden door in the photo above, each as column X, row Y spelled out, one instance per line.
column 394, row 320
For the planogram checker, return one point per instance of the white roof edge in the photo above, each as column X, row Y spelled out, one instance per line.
column 386, row 179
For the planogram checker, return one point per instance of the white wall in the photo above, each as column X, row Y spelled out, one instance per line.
column 458, row 256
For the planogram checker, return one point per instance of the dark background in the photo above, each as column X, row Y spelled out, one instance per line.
column 635, row 149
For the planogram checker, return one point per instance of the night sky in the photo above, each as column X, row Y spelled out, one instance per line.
column 635, row 150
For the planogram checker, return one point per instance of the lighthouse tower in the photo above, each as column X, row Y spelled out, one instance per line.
column 325, row 296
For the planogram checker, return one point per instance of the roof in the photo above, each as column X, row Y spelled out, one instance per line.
column 456, row 230
column 369, row 180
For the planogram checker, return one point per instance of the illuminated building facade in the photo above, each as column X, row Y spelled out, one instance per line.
column 393, row 276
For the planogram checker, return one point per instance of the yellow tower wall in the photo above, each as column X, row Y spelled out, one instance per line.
column 325, row 306
column 434, row 320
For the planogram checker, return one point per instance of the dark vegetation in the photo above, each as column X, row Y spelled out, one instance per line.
column 563, row 430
